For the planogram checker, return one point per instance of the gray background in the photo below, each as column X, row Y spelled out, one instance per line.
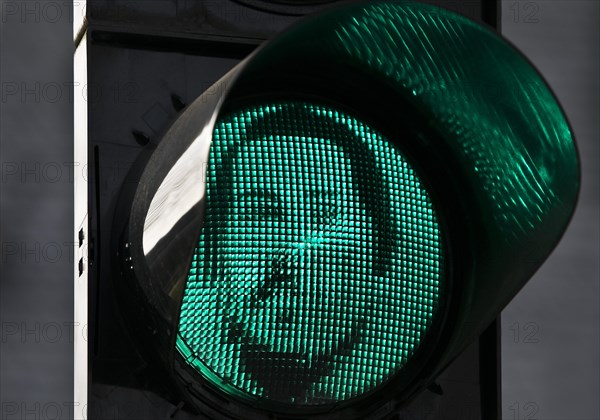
column 550, row 330
column 36, row 211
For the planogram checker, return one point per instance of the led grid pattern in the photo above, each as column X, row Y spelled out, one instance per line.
column 319, row 266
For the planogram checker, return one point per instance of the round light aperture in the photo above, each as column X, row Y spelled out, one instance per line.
column 319, row 266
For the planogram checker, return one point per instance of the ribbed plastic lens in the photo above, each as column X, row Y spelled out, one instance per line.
column 320, row 263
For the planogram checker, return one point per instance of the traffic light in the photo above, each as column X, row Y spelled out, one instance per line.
column 324, row 230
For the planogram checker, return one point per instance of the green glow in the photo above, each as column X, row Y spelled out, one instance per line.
column 496, row 111
column 319, row 266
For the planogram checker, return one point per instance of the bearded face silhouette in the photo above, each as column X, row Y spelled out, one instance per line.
column 302, row 266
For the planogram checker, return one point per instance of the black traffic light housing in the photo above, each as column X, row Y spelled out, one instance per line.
column 146, row 55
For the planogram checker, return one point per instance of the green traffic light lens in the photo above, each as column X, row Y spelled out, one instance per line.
column 320, row 264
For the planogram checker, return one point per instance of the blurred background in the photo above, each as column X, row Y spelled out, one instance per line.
column 550, row 349
column 550, row 331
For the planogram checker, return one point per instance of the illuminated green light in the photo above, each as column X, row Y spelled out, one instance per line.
column 320, row 262
column 490, row 103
